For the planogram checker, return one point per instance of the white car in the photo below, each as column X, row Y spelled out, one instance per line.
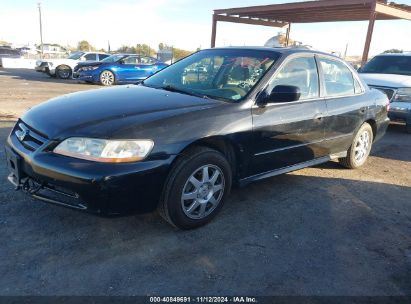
column 391, row 73
column 63, row 68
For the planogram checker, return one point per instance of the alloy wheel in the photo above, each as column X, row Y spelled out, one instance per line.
column 107, row 78
column 362, row 147
column 203, row 191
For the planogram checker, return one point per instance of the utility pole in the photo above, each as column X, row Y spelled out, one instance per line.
column 346, row 49
column 41, row 32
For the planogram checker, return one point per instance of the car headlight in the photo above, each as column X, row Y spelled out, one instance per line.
column 102, row 150
column 90, row 68
column 403, row 94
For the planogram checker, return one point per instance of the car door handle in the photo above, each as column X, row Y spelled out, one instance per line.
column 319, row 116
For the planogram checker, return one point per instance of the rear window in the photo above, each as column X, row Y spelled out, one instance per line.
column 400, row 65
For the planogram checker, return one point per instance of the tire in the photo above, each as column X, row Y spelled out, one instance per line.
column 107, row 78
column 63, row 72
column 205, row 197
column 360, row 148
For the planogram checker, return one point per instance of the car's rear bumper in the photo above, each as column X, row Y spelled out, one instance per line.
column 102, row 188
column 382, row 126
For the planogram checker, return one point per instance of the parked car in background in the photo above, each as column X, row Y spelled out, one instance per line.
column 119, row 68
column 63, row 68
column 391, row 73
column 178, row 143
column 8, row 52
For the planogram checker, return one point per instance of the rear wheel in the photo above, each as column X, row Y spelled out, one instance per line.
column 63, row 72
column 196, row 188
column 107, row 78
column 360, row 148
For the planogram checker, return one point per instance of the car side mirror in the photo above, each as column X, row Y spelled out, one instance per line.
column 284, row 93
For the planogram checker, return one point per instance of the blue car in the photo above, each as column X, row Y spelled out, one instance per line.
column 119, row 68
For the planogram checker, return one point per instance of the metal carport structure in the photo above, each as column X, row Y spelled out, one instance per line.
column 283, row 15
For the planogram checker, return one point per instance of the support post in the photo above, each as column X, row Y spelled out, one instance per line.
column 287, row 35
column 213, row 31
column 41, row 32
column 371, row 23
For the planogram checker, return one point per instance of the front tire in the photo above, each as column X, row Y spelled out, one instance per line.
column 63, row 72
column 196, row 188
column 107, row 78
column 360, row 148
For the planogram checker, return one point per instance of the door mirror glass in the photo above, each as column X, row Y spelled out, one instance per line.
column 284, row 93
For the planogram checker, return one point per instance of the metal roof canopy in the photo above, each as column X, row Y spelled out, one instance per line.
column 282, row 15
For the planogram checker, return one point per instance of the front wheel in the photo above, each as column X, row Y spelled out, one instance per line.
column 63, row 72
column 107, row 78
column 360, row 148
column 196, row 188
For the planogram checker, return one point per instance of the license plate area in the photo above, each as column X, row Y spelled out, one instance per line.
column 14, row 163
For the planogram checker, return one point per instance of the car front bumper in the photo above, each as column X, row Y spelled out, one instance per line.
column 107, row 189
column 400, row 111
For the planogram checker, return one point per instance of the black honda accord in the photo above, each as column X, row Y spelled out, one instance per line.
column 178, row 141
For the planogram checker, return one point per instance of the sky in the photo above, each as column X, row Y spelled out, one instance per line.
column 182, row 23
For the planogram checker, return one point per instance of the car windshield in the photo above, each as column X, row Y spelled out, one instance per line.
column 113, row 58
column 223, row 74
column 76, row 55
column 400, row 65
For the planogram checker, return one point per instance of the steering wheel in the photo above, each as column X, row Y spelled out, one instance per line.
column 240, row 91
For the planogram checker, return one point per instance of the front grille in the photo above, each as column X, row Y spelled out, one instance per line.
column 387, row 91
column 28, row 137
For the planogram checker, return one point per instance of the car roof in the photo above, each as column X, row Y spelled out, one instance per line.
column 406, row 54
column 282, row 50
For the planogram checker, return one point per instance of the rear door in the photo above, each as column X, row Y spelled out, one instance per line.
column 147, row 67
column 346, row 103
column 289, row 133
column 127, row 70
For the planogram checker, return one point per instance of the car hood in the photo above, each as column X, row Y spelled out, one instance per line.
column 387, row 80
column 103, row 112
column 96, row 63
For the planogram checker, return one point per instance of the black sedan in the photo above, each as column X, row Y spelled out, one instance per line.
column 178, row 141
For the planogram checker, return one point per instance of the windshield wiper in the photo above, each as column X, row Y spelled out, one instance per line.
column 178, row 90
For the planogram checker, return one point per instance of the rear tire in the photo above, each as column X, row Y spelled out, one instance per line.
column 360, row 148
column 63, row 72
column 196, row 188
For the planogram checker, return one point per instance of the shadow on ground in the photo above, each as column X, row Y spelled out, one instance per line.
column 31, row 75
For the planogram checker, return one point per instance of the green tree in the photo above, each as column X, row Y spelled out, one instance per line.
column 393, row 51
column 180, row 53
column 84, row 45
column 127, row 49
column 145, row 49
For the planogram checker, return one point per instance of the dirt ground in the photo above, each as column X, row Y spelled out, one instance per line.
column 319, row 231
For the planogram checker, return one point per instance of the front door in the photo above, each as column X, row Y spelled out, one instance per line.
column 288, row 133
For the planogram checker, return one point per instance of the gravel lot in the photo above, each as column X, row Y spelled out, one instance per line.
column 318, row 231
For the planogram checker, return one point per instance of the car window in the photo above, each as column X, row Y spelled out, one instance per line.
column 301, row 72
column 147, row 60
column 131, row 60
column 398, row 64
column 91, row 56
column 102, row 56
column 338, row 78
column 357, row 86
column 222, row 74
